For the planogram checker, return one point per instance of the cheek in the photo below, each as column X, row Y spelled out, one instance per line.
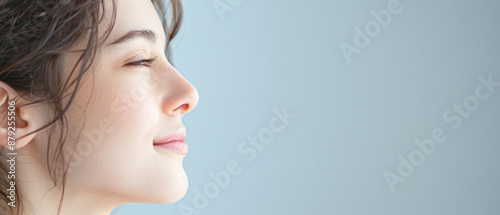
column 118, row 128
column 130, row 115
column 127, row 102
column 130, row 110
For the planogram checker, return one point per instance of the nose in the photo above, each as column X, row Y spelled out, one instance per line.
column 181, row 96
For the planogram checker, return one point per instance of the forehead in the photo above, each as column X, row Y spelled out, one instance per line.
column 132, row 15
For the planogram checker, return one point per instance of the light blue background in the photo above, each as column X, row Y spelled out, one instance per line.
column 353, row 120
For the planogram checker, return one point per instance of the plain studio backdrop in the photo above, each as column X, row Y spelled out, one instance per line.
column 340, row 107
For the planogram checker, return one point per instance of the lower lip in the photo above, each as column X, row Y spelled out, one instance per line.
column 179, row 147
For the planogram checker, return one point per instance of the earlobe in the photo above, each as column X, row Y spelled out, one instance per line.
column 16, row 120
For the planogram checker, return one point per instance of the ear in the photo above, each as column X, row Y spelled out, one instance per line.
column 17, row 120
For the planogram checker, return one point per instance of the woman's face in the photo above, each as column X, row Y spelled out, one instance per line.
column 126, row 103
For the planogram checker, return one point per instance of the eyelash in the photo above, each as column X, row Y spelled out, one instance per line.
column 145, row 62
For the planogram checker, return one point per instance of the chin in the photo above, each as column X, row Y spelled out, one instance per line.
column 175, row 190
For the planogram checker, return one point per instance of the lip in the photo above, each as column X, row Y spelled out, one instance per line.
column 174, row 141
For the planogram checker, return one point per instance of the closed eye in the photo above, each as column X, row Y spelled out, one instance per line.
column 145, row 62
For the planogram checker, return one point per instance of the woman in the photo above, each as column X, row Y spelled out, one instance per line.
column 91, row 107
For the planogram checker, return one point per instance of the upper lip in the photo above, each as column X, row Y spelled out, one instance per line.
column 177, row 135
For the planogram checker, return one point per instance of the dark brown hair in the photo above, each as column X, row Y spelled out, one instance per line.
column 35, row 35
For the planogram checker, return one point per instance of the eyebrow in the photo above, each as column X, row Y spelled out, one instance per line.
column 146, row 34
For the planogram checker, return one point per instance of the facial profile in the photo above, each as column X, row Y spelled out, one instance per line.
column 124, row 136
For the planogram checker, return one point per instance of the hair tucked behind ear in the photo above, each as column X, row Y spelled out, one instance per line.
column 35, row 35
